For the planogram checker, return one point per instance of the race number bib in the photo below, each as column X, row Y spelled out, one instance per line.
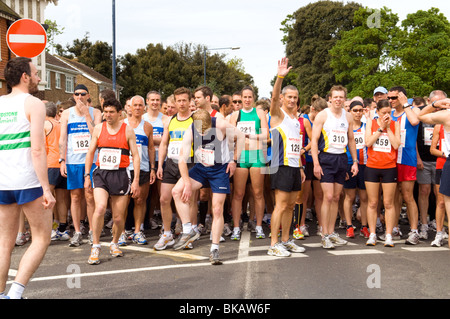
column 403, row 138
column 173, row 150
column 359, row 140
column 338, row 139
column 427, row 135
column 109, row 158
column 246, row 127
column 293, row 148
column 382, row 144
column 80, row 143
column 205, row 157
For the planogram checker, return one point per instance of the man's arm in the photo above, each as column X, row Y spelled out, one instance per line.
column 35, row 111
column 148, row 128
column 90, row 156
column 316, row 131
column 275, row 108
column 162, row 151
column 131, row 139
column 185, row 151
column 63, row 141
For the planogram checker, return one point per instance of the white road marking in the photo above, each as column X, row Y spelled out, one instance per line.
column 355, row 252
column 421, row 249
column 169, row 253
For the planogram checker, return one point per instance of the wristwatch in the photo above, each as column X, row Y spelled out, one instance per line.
column 61, row 160
column 380, row 130
column 406, row 105
column 86, row 175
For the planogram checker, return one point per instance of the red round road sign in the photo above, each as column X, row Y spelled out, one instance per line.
column 26, row 38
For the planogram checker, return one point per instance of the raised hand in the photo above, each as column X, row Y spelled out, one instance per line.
column 283, row 68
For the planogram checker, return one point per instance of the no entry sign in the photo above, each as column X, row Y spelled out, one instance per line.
column 26, row 38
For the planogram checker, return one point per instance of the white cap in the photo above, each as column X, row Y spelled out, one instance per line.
column 380, row 89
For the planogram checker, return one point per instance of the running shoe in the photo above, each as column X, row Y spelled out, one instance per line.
column 94, row 257
column 413, row 238
column 438, row 240
column 297, row 233
column 164, row 242
column 214, row 257
column 260, row 234
column 335, row 239
column 372, row 241
column 22, row 238
column 185, row 239
column 57, row 235
column 278, row 250
column 326, row 242
column 123, row 240
column 304, row 230
column 292, row 247
column 364, row 232
column 388, row 241
column 423, row 232
column 114, row 250
column 76, row 240
column 236, row 235
column 350, row 232
column 139, row 238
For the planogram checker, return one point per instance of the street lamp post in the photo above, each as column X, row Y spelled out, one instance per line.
column 204, row 57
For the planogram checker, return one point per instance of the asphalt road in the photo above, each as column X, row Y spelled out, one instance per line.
column 353, row 271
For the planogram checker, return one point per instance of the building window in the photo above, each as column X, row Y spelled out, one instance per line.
column 48, row 86
column 69, row 84
column 58, row 80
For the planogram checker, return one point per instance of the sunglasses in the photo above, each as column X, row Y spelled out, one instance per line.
column 237, row 101
column 358, row 110
column 82, row 94
column 392, row 97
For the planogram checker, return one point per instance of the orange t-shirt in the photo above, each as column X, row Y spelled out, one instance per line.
column 109, row 145
column 381, row 154
column 52, row 145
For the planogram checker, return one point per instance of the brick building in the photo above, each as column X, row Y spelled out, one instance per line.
column 7, row 17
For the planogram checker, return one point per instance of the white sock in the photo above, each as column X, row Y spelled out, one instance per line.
column 259, row 229
column 187, row 228
column 167, row 233
column 96, row 246
column 236, row 229
column 16, row 291
column 214, row 246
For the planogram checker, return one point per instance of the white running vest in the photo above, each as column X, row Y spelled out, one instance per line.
column 17, row 171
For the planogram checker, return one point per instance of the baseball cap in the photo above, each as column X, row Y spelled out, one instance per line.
column 380, row 89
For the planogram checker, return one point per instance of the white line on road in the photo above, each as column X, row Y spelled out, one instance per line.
column 169, row 253
column 355, row 252
column 420, row 249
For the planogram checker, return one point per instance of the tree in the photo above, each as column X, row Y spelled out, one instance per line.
column 309, row 33
column 414, row 55
column 363, row 57
column 52, row 31
column 164, row 69
column 96, row 55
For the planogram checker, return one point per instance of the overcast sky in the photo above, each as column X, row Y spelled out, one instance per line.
column 252, row 25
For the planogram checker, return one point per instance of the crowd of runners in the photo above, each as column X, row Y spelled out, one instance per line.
column 203, row 162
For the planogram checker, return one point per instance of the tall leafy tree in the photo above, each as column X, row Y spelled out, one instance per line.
column 362, row 59
column 414, row 54
column 310, row 33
